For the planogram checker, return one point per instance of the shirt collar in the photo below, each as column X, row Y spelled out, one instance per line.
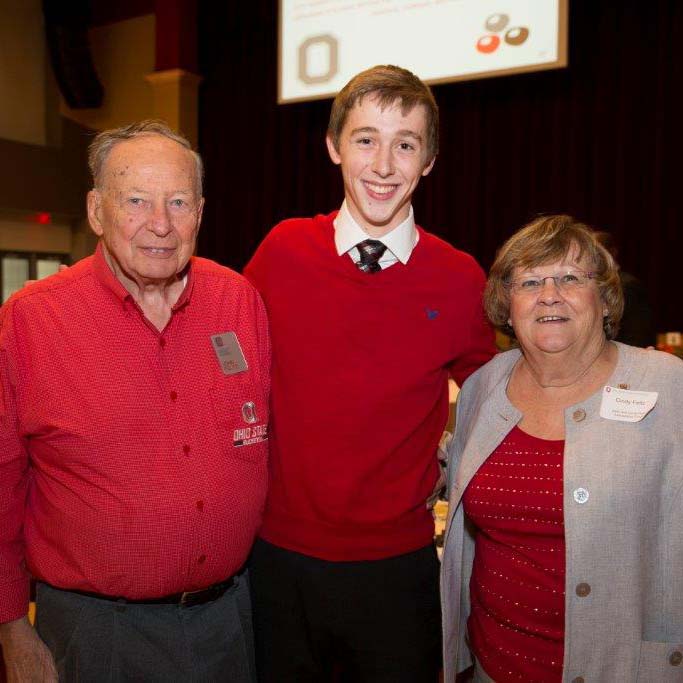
column 400, row 241
column 106, row 277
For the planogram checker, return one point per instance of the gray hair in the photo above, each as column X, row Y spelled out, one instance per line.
column 104, row 142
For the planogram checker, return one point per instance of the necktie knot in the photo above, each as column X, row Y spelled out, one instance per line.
column 370, row 253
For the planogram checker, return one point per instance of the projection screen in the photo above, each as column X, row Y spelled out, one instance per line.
column 323, row 43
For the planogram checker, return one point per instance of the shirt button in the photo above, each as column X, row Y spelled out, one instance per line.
column 173, row 395
column 186, row 449
column 162, row 342
column 201, row 559
column 200, row 505
column 581, row 496
column 583, row 589
column 578, row 679
column 676, row 658
column 579, row 415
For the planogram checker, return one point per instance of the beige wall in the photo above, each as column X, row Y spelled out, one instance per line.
column 22, row 72
column 63, row 236
column 20, row 235
column 123, row 54
column 44, row 154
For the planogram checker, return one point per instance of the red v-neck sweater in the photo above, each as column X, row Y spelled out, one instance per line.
column 359, row 387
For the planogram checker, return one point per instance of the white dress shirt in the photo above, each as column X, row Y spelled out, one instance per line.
column 400, row 241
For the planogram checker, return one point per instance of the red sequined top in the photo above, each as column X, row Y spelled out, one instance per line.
column 516, row 624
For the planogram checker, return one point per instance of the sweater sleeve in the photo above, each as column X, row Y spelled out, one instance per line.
column 14, row 475
column 479, row 346
column 260, row 264
column 265, row 350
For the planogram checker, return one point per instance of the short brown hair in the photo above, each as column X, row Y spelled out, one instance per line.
column 388, row 84
column 104, row 142
column 547, row 239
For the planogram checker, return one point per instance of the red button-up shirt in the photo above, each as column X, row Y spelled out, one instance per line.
column 130, row 463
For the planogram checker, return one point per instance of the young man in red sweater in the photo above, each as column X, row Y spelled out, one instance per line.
column 369, row 315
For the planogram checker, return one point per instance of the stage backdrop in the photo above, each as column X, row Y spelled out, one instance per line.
column 602, row 139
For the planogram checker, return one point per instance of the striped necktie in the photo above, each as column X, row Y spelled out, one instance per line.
column 370, row 253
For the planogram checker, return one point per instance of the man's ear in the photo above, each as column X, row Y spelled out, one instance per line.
column 332, row 150
column 429, row 166
column 200, row 211
column 93, row 203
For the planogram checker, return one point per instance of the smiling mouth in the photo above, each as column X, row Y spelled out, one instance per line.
column 380, row 191
column 158, row 251
column 551, row 319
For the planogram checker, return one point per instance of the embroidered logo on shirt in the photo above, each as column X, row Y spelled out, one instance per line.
column 250, row 435
column 246, row 436
column 249, row 412
column 432, row 313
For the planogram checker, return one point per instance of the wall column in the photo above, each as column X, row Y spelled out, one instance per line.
column 175, row 82
column 176, row 100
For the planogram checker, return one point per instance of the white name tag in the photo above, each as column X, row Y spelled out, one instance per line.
column 626, row 406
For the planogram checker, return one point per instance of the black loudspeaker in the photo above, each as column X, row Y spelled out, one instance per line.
column 66, row 33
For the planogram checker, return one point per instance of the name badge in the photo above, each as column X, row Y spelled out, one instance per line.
column 626, row 406
column 229, row 353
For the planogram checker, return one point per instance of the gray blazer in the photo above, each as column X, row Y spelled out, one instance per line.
column 625, row 541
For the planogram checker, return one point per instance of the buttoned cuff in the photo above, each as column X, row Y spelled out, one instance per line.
column 14, row 599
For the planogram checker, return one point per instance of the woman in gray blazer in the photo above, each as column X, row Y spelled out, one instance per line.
column 563, row 557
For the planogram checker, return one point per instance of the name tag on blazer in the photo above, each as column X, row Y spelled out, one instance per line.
column 625, row 405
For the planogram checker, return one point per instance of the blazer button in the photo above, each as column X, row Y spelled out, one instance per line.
column 579, row 415
column 581, row 496
column 583, row 589
column 676, row 658
column 578, row 679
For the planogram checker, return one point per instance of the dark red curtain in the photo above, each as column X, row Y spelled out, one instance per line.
column 601, row 140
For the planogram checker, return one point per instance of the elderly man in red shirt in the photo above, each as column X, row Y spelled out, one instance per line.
column 133, row 434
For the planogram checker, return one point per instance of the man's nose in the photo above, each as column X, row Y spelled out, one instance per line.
column 160, row 220
column 383, row 163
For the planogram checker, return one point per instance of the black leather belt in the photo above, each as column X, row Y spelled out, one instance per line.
column 185, row 599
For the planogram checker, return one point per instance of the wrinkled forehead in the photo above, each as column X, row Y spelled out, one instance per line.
column 152, row 156
column 149, row 146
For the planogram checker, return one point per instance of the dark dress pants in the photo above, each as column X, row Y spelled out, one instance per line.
column 94, row 640
column 349, row 622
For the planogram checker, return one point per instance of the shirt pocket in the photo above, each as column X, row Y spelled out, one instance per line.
column 241, row 415
column 660, row 662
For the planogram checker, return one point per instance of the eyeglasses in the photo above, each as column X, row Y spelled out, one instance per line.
column 569, row 281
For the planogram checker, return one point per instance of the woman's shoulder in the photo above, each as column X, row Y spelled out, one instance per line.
column 658, row 366
column 496, row 369
column 482, row 382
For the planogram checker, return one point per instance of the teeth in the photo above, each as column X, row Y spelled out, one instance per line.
column 547, row 318
column 381, row 189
